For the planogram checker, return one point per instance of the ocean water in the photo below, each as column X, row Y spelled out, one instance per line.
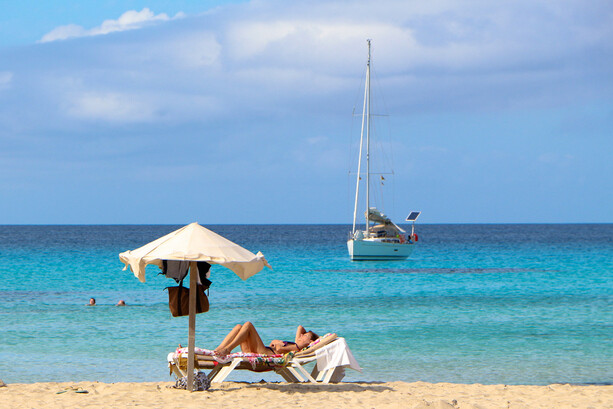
column 512, row 304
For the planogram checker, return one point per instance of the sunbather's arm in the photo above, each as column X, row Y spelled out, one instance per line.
column 300, row 331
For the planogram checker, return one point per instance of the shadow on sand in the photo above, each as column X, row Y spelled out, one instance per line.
column 304, row 387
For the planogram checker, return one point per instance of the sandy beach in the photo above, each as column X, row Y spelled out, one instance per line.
column 282, row 395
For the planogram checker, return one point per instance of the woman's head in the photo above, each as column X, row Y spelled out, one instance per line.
column 312, row 335
column 306, row 338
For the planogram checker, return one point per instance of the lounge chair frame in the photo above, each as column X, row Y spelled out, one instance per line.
column 294, row 371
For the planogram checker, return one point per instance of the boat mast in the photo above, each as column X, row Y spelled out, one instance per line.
column 368, row 142
column 357, row 181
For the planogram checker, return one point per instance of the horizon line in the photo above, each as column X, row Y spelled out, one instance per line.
column 296, row 224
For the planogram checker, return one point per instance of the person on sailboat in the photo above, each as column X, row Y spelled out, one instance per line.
column 249, row 340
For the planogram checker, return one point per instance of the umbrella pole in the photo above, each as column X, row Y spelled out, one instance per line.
column 193, row 284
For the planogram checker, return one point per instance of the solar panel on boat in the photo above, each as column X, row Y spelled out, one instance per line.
column 413, row 216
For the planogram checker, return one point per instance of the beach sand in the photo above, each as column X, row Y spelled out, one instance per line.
column 282, row 395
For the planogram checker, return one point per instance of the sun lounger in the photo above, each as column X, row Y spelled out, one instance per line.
column 330, row 353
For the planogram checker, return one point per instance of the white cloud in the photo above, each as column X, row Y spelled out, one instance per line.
column 64, row 32
column 190, row 51
column 122, row 107
column 279, row 58
column 304, row 41
column 111, row 106
column 129, row 20
column 256, row 57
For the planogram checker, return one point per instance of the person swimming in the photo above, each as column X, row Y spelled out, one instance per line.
column 249, row 340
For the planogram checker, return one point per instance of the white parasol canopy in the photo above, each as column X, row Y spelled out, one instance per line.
column 194, row 243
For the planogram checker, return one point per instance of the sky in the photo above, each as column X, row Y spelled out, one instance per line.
column 246, row 112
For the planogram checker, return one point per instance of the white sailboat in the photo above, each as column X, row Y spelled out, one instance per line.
column 381, row 239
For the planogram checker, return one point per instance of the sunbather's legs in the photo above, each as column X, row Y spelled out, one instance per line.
column 247, row 337
column 252, row 341
column 229, row 338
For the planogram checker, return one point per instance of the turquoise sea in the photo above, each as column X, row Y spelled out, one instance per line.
column 512, row 304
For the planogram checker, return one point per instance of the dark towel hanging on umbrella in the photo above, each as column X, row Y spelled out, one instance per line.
column 177, row 270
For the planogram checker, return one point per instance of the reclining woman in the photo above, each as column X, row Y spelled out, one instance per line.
column 249, row 340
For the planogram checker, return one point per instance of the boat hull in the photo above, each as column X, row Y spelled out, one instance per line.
column 378, row 250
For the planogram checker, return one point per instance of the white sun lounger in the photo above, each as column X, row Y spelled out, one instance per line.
column 331, row 354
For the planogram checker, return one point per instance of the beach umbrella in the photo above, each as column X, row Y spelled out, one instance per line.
column 193, row 243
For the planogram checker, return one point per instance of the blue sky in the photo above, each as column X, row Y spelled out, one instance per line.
column 241, row 112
